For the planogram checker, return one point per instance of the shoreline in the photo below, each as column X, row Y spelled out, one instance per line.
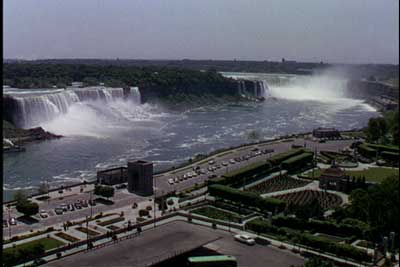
column 188, row 163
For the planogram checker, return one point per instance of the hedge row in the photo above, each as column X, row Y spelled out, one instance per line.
column 277, row 159
column 297, row 161
column 319, row 243
column 386, row 152
column 246, row 198
column 366, row 151
column 331, row 228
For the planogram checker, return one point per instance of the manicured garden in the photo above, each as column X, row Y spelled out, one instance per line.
column 374, row 174
column 108, row 222
column 67, row 237
column 47, row 242
column 326, row 200
column 217, row 214
column 277, row 184
column 87, row 231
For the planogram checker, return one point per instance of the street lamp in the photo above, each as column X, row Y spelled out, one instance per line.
column 9, row 219
column 154, row 202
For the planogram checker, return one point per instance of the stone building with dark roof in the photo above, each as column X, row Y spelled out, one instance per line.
column 326, row 133
column 334, row 178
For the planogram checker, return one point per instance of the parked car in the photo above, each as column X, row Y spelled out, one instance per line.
column 59, row 210
column 224, row 163
column 254, row 149
column 12, row 221
column 43, row 214
column 212, row 176
column 245, row 239
column 92, row 202
column 78, row 204
column 5, row 223
column 232, row 161
column 211, row 162
column 64, row 207
column 71, row 207
column 176, row 180
column 171, row 181
column 84, row 203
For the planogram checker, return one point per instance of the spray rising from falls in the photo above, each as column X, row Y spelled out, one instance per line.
column 35, row 107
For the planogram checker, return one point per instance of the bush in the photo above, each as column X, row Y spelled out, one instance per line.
column 149, row 208
column 170, row 202
column 143, row 213
column 246, row 198
column 27, row 207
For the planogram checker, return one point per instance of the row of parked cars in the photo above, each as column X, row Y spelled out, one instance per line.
column 79, row 204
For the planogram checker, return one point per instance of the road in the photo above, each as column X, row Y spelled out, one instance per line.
column 163, row 186
column 124, row 199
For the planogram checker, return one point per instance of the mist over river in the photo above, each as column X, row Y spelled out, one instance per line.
column 101, row 134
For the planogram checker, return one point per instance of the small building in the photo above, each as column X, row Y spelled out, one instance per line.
column 140, row 177
column 334, row 178
column 326, row 133
column 113, row 176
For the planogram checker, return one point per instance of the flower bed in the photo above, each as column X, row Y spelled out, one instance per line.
column 105, row 223
column 87, row 231
column 326, row 200
column 277, row 184
column 67, row 237
column 218, row 214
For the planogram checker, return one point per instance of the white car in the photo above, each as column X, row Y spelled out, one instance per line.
column 245, row 239
column 211, row 162
column 43, row 214
column 224, row 163
column 171, row 181
column 176, row 180
column 232, row 161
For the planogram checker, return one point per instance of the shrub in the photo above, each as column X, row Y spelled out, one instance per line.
column 149, row 208
column 170, row 202
column 143, row 213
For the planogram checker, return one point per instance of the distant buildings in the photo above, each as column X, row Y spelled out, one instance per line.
column 140, row 177
column 113, row 176
column 326, row 133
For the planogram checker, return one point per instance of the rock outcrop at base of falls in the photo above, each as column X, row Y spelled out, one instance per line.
column 17, row 136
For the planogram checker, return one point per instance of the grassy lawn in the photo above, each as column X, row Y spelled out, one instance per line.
column 218, row 214
column 374, row 174
column 332, row 238
column 48, row 243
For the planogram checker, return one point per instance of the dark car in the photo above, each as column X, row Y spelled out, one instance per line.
column 78, row 205
column 84, row 204
column 92, row 202
column 71, row 207
column 5, row 223
column 59, row 210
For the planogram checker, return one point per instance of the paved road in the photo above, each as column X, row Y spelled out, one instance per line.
column 278, row 147
column 124, row 199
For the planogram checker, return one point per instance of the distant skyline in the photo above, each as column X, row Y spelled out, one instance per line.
column 339, row 31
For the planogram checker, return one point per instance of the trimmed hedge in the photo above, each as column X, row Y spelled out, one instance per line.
column 319, row 243
column 298, row 161
column 382, row 148
column 366, row 151
column 347, row 228
column 390, row 156
column 246, row 198
column 277, row 159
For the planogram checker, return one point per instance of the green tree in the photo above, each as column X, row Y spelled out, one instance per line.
column 28, row 208
column 20, row 196
column 254, row 135
column 376, row 130
column 104, row 191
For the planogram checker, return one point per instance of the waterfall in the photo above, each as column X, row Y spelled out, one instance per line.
column 31, row 108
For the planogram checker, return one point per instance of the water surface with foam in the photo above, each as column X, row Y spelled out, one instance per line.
column 101, row 133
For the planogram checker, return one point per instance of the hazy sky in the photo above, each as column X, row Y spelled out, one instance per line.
column 348, row 31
